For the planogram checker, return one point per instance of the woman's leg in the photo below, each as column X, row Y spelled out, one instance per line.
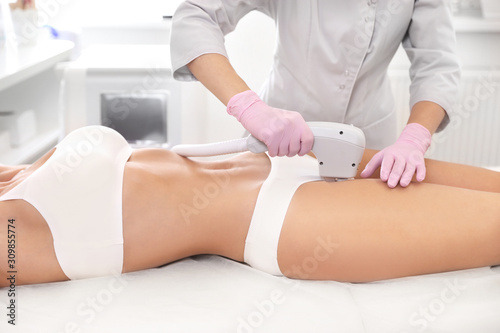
column 452, row 174
column 361, row 230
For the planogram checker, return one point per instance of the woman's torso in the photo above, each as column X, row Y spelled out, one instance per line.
column 172, row 208
column 183, row 208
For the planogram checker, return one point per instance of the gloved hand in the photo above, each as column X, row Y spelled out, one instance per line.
column 283, row 132
column 400, row 161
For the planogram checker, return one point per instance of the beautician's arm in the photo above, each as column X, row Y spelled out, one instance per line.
column 198, row 30
column 284, row 132
column 428, row 114
column 434, row 72
column 217, row 74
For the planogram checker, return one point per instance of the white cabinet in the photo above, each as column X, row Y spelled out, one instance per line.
column 28, row 82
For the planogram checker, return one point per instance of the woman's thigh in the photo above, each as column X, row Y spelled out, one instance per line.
column 361, row 230
column 451, row 174
column 33, row 254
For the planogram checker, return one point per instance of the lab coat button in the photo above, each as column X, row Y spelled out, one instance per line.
column 342, row 86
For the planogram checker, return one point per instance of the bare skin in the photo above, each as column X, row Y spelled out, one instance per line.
column 452, row 221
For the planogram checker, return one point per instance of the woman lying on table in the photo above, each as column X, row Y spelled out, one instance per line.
column 92, row 206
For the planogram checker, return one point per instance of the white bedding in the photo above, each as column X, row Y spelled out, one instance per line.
column 213, row 294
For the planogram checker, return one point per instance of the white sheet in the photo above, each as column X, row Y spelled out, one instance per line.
column 213, row 294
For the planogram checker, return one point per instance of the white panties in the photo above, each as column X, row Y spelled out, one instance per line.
column 285, row 177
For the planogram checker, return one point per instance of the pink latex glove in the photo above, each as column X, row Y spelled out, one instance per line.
column 283, row 132
column 400, row 161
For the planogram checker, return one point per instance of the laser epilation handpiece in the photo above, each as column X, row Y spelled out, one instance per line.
column 338, row 148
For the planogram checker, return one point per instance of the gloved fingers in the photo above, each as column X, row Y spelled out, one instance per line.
column 397, row 170
column 284, row 146
column 300, row 135
column 417, row 158
column 272, row 146
column 281, row 128
column 421, row 171
column 266, row 135
column 407, row 174
column 292, row 137
column 275, row 135
column 272, row 150
column 373, row 164
column 293, row 134
column 280, row 137
column 284, row 132
column 306, row 141
column 386, row 166
column 294, row 145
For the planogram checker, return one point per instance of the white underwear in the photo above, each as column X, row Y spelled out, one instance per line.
column 285, row 177
column 78, row 191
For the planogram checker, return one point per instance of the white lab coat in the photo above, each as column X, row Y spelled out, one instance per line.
column 332, row 55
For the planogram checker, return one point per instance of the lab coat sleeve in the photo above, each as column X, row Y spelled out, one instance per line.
column 430, row 44
column 199, row 27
